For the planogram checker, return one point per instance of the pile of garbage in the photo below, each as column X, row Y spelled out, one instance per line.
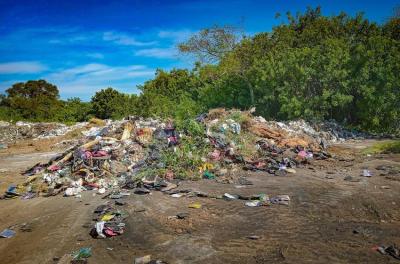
column 145, row 154
column 323, row 131
column 27, row 130
column 138, row 152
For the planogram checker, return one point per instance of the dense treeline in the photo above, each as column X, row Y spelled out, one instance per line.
column 313, row 67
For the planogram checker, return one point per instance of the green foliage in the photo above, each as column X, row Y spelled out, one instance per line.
column 170, row 94
column 185, row 110
column 187, row 158
column 392, row 146
column 74, row 110
column 33, row 100
column 190, row 127
column 109, row 103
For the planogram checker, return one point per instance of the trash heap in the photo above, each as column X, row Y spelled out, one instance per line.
column 27, row 130
column 326, row 131
column 145, row 154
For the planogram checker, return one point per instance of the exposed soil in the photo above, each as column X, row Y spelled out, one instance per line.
column 329, row 219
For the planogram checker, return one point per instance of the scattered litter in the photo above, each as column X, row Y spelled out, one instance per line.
column 182, row 215
column 229, row 197
column 143, row 260
column 83, row 253
column 107, row 217
column 290, row 170
column 208, row 175
column 254, row 237
column 7, row 233
column 254, row 203
column 141, row 191
column 195, row 205
column 99, row 229
column 392, row 251
column 109, row 222
column 280, row 199
column 366, row 173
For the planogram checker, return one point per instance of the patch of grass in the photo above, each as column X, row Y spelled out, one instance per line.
column 187, row 157
column 384, row 147
column 238, row 116
column 245, row 143
column 191, row 128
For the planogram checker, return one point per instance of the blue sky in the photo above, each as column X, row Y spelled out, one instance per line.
column 86, row 45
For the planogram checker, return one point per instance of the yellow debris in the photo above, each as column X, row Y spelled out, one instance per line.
column 195, row 205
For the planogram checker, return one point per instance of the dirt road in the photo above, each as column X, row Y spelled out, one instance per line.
column 329, row 219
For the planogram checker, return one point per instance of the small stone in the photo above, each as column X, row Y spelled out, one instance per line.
column 254, row 237
column 143, row 260
column 141, row 191
column 119, row 202
column 182, row 215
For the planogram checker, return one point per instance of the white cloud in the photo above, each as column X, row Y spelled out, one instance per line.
column 21, row 67
column 86, row 79
column 160, row 53
column 99, row 72
column 95, row 55
column 124, row 39
column 176, row 35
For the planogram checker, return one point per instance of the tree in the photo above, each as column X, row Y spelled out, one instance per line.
column 392, row 26
column 109, row 103
column 211, row 44
column 74, row 110
column 169, row 93
column 33, row 89
column 34, row 100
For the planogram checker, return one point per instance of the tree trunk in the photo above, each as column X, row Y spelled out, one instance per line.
column 251, row 90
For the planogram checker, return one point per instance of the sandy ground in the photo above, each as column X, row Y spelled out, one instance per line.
column 329, row 220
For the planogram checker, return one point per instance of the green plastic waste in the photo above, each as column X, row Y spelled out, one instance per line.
column 83, row 253
column 208, row 175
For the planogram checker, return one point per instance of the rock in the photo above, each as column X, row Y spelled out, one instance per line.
column 253, row 237
column 119, row 202
column 141, row 191
column 143, row 260
column 182, row 215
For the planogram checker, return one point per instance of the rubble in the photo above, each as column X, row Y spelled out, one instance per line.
column 323, row 131
column 147, row 154
column 27, row 130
